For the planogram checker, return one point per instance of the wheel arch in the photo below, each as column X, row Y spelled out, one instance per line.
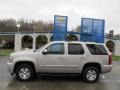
column 24, row 62
column 92, row 64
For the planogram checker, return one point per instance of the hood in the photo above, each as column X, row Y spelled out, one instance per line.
column 22, row 52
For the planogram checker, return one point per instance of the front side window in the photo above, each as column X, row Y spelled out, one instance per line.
column 57, row 48
column 75, row 49
column 97, row 49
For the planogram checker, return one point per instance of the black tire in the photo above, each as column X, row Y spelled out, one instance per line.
column 30, row 72
column 90, row 74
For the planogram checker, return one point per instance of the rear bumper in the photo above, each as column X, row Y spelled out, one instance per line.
column 106, row 69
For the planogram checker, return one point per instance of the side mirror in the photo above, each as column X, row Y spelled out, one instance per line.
column 44, row 52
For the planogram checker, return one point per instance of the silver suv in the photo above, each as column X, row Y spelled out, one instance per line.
column 58, row 57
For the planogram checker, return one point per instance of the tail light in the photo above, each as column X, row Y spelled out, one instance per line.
column 110, row 60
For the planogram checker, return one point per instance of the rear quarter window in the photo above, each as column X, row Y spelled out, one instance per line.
column 97, row 49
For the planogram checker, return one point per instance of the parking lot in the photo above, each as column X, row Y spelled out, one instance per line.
column 109, row 81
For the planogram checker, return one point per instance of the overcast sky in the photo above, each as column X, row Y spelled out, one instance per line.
column 74, row 9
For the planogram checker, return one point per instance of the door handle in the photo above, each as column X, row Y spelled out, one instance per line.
column 82, row 58
column 60, row 58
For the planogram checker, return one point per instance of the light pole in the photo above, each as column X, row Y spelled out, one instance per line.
column 34, row 40
column 18, row 27
column 18, row 39
column 34, row 27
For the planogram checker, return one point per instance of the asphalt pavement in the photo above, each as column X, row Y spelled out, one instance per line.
column 109, row 81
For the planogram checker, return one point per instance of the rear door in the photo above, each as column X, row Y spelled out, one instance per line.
column 74, row 57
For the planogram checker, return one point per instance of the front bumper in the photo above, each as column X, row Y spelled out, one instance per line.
column 106, row 69
column 10, row 67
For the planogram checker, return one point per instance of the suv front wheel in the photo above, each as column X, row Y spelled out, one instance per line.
column 90, row 74
column 24, row 72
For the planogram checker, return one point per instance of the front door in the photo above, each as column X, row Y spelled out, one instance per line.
column 54, row 59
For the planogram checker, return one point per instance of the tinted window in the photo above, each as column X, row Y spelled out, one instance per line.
column 97, row 49
column 75, row 49
column 57, row 48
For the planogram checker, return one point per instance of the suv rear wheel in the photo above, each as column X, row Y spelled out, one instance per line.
column 90, row 74
column 24, row 72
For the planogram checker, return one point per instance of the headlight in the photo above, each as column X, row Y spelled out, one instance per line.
column 10, row 59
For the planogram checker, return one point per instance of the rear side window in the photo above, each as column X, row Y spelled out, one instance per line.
column 75, row 49
column 97, row 49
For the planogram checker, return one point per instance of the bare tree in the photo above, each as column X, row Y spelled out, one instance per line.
column 9, row 25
